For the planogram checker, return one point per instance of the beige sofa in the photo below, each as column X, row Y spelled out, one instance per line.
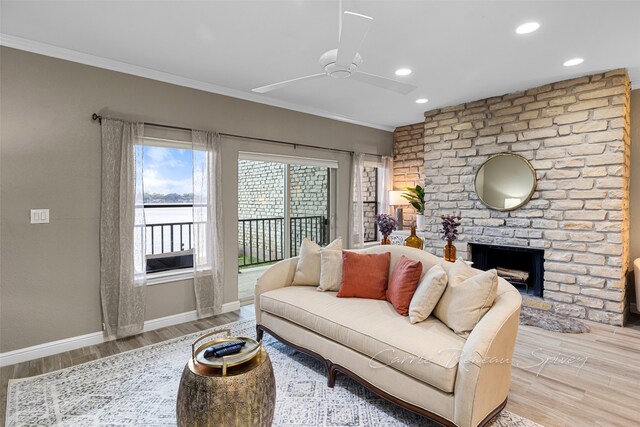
column 424, row 367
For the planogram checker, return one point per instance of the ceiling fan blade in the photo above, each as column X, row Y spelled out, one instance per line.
column 354, row 30
column 269, row 88
column 383, row 82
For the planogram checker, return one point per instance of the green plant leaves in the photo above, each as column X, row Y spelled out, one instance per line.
column 415, row 198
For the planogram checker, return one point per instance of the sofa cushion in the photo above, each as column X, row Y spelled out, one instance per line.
column 429, row 291
column 403, row 283
column 330, row 270
column 427, row 351
column 364, row 275
column 308, row 268
column 468, row 296
column 428, row 260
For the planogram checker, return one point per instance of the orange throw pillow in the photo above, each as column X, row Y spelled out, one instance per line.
column 403, row 284
column 364, row 275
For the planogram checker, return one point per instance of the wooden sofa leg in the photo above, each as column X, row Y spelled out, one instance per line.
column 259, row 333
column 331, row 375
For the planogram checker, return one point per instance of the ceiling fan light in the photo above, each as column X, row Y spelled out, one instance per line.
column 403, row 72
column 528, row 27
column 422, row 101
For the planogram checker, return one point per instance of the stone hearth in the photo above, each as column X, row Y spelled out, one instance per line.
column 575, row 133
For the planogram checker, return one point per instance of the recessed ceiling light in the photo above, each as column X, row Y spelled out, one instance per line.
column 527, row 28
column 403, row 72
column 422, row 101
column 573, row 61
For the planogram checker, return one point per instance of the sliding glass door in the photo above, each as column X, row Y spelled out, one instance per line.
column 281, row 200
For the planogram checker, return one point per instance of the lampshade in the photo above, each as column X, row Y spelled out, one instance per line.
column 396, row 199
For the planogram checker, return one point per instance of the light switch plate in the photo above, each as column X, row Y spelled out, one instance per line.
column 39, row 216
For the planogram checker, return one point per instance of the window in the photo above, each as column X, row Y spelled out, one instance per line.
column 370, row 201
column 168, row 205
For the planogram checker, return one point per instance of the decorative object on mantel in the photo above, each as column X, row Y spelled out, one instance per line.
column 386, row 224
column 398, row 237
column 551, row 322
column 413, row 240
column 108, row 391
column 396, row 199
column 415, row 196
column 505, row 182
column 450, row 224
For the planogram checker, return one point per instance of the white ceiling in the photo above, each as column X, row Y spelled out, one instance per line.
column 458, row 50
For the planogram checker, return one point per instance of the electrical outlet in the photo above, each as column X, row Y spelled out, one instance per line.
column 39, row 216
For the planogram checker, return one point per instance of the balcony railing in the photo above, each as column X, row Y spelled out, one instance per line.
column 261, row 240
column 169, row 245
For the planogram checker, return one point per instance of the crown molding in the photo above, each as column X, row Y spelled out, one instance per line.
column 123, row 67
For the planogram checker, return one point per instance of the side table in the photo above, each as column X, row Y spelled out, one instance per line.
column 234, row 390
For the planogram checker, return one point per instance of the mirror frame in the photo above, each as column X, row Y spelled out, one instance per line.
column 521, row 204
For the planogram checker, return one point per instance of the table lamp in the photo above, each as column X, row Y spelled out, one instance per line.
column 396, row 199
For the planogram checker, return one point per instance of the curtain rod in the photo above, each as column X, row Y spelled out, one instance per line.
column 98, row 117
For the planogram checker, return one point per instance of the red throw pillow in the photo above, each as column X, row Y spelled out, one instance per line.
column 364, row 275
column 403, row 284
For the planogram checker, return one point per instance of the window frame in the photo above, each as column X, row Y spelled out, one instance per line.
column 177, row 274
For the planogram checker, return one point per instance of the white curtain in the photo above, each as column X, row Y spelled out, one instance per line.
column 208, row 262
column 122, row 228
column 385, row 183
column 356, row 217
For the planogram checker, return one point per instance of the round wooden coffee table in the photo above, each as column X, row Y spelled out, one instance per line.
column 233, row 390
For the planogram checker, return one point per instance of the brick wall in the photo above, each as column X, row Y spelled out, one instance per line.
column 260, row 189
column 575, row 133
column 408, row 162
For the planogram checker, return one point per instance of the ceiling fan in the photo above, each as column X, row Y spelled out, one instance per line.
column 344, row 62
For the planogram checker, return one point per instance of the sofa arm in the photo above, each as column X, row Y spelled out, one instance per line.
column 484, row 367
column 277, row 276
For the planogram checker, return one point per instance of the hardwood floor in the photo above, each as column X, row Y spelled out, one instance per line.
column 558, row 379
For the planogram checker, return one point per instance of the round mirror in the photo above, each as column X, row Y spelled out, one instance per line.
column 505, row 182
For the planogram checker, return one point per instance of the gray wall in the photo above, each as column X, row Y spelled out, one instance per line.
column 50, row 158
column 634, row 197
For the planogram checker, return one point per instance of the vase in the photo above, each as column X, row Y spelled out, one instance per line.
column 385, row 240
column 420, row 220
column 450, row 251
column 413, row 240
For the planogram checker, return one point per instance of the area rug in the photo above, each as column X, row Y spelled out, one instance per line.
column 551, row 322
column 139, row 388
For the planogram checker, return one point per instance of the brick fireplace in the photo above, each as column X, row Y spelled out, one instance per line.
column 575, row 133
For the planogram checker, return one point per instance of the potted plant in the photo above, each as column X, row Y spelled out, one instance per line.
column 386, row 224
column 415, row 196
column 450, row 224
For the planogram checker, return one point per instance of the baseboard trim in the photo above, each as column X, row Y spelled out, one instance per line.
column 174, row 319
column 230, row 306
column 49, row 348
column 54, row 347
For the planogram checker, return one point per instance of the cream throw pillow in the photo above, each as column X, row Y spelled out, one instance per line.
column 330, row 270
column 428, row 293
column 467, row 297
column 308, row 268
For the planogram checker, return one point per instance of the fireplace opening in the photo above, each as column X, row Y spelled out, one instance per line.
column 522, row 267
